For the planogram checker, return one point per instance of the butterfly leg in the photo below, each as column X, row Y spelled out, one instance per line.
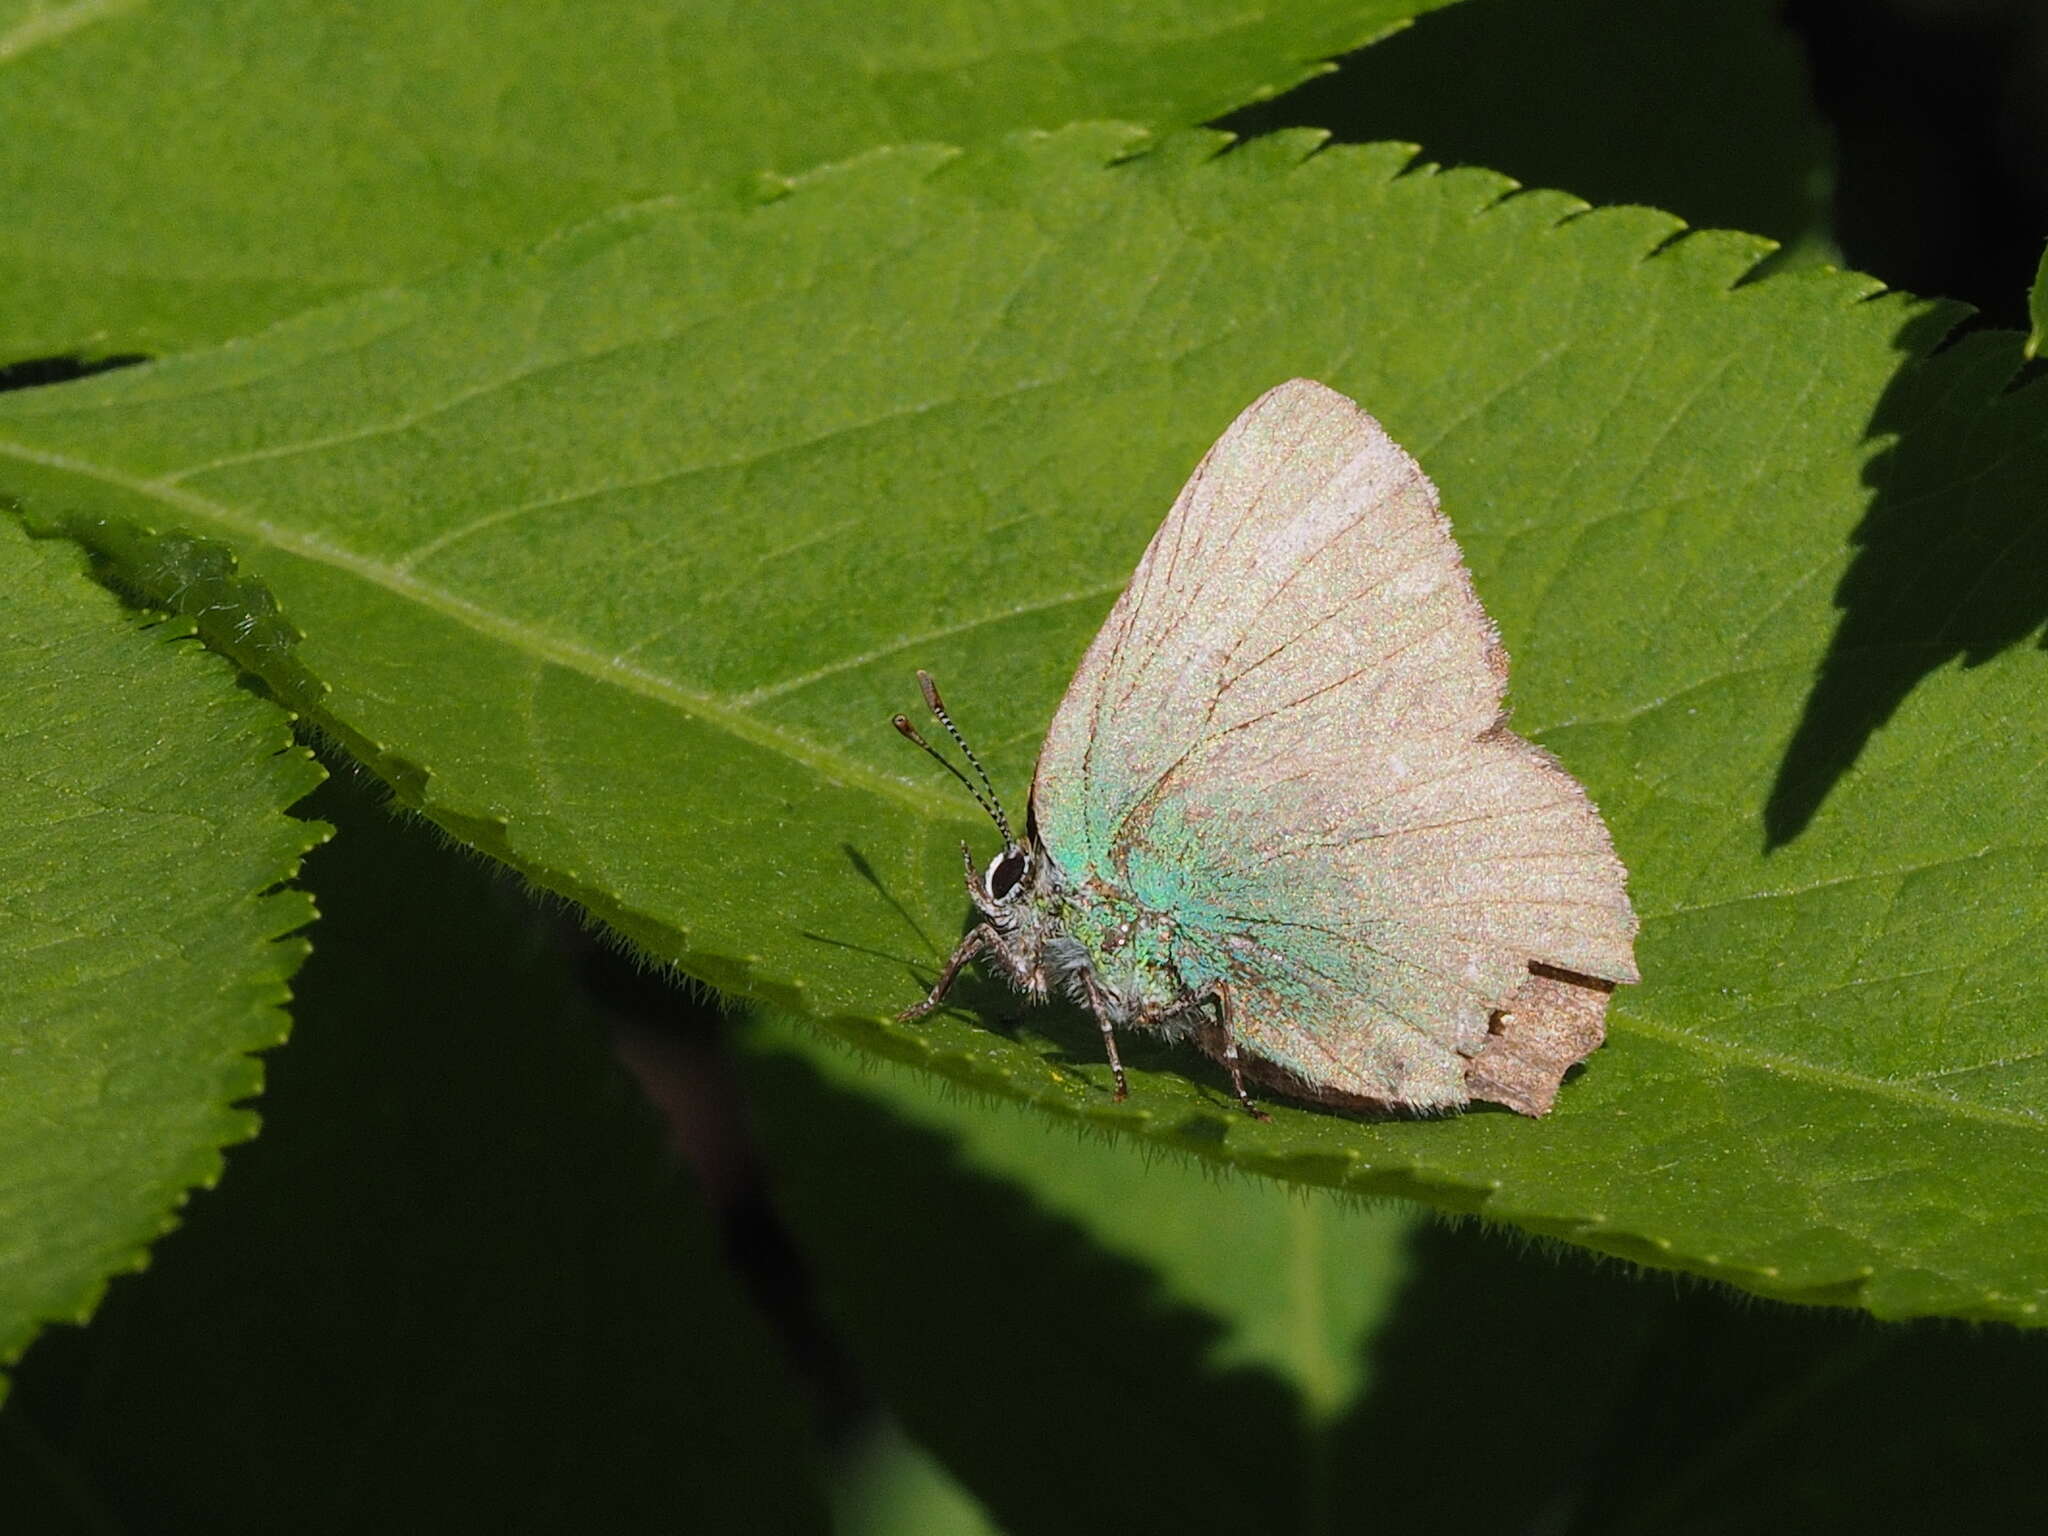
column 977, row 942
column 1099, row 1006
column 1223, row 1045
column 1116, row 1066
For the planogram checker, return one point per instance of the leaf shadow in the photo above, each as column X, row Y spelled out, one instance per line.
column 920, row 968
column 1535, row 1352
column 457, row 1284
column 36, row 372
column 990, row 1324
column 1587, row 1396
column 866, row 871
column 1951, row 558
column 1525, row 1386
column 1062, row 1033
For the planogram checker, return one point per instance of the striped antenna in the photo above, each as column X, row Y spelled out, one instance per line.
column 991, row 804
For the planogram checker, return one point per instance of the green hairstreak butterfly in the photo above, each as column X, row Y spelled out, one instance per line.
column 1280, row 814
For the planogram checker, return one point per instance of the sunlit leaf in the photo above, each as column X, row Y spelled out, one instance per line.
column 616, row 557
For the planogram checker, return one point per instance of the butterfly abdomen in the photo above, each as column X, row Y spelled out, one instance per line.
column 1068, row 965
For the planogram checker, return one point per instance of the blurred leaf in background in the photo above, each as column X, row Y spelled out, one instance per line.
column 145, row 951
column 457, row 1285
column 1094, row 1342
column 203, row 168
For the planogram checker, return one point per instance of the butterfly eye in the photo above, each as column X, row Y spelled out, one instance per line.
column 1006, row 872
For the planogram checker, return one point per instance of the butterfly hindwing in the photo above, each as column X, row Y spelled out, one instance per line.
column 1287, row 737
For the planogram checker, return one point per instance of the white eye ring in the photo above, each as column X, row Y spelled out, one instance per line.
column 1020, row 861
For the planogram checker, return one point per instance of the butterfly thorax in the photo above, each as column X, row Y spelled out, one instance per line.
column 1126, row 959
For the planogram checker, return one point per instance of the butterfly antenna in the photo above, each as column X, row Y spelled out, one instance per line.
column 938, row 708
column 910, row 734
column 991, row 803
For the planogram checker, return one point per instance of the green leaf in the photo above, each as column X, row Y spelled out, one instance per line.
column 142, row 953
column 991, row 1272
column 270, row 154
column 1294, row 1285
column 887, row 1484
column 616, row 558
column 2037, row 309
column 990, row 1278
column 458, row 1284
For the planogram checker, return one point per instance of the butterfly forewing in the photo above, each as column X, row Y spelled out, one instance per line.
column 1287, row 738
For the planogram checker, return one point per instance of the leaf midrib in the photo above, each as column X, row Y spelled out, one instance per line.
column 46, row 27
column 755, row 732
column 539, row 645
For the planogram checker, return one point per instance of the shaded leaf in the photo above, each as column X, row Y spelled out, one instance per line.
column 989, row 1317
column 1295, row 1284
column 617, row 556
column 1740, row 1422
column 143, row 949
column 1703, row 110
column 266, row 156
column 889, row 1484
column 2037, row 308
column 457, row 1285
column 999, row 1277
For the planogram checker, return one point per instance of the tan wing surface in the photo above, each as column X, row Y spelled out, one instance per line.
column 1288, row 735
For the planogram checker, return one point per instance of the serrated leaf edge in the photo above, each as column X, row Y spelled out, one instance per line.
column 1727, row 261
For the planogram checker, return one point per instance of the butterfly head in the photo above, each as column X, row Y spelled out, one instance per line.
column 1008, row 879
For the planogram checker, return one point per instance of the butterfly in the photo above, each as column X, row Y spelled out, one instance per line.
column 1280, row 815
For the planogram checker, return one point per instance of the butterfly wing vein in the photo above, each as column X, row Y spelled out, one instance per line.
column 1288, row 738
